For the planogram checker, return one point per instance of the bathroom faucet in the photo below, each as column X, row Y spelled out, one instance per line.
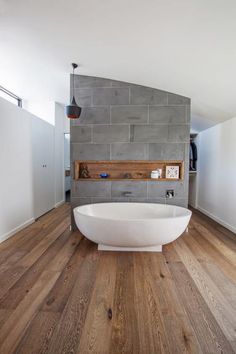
column 126, row 194
column 170, row 193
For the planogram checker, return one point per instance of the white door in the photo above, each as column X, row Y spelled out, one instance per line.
column 43, row 166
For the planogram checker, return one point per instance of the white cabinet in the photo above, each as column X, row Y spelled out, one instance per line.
column 43, row 166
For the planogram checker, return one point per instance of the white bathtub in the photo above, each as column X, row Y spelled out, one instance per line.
column 131, row 226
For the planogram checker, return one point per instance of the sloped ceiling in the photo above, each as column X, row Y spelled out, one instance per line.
column 182, row 46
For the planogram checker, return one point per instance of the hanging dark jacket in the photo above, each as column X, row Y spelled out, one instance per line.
column 194, row 151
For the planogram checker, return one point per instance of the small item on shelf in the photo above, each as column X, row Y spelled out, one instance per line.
column 127, row 175
column 138, row 175
column 84, row 172
column 104, row 175
column 160, row 172
column 155, row 174
column 172, row 172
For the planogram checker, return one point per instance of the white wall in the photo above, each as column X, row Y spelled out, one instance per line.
column 217, row 173
column 23, row 151
column 67, row 161
column 43, row 159
column 66, row 122
column 192, row 192
column 16, row 178
column 59, row 154
column 62, row 153
column 42, row 109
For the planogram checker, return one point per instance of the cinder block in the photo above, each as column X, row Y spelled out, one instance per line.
column 129, row 114
column 93, row 115
column 116, row 83
column 167, row 115
column 119, row 200
column 81, row 134
column 177, row 99
column 158, row 189
column 93, row 189
column 110, row 133
column 83, row 97
column 148, row 200
column 82, row 81
column 100, row 200
column 78, row 201
column 178, row 201
column 149, row 133
column 128, row 189
column 179, row 133
column 157, row 200
column 110, row 96
column 144, row 95
column 167, row 151
column 186, row 154
column 129, row 151
column 128, row 133
column 188, row 114
column 90, row 152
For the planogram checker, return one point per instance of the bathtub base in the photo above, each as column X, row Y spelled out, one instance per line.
column 130, row 249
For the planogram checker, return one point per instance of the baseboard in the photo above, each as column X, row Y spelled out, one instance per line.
column 11, row 233
column 215, row 218
column 59, row 203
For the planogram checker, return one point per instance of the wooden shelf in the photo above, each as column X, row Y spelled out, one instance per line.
column 129, row 179
column 124, row 170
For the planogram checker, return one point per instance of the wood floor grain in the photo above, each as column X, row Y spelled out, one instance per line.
column 58, row 294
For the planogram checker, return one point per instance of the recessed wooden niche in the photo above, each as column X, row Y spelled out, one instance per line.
column 124, row 170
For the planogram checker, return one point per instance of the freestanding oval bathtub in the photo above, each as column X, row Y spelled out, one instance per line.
column 131, row 226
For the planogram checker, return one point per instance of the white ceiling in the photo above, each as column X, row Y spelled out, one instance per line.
column 183, row 46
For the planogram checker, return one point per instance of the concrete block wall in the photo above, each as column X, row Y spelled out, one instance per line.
column 122, row 121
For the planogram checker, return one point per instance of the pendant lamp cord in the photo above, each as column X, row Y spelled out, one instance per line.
column 73, row 81
column 74, row 66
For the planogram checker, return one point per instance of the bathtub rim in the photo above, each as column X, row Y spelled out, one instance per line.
column 187, row 214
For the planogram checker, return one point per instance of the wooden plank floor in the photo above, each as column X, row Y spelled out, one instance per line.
column 58, row 294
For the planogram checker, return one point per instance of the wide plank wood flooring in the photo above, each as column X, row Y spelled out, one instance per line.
column 58, row 294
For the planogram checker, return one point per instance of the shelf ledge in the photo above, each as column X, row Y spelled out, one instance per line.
column 131, row 179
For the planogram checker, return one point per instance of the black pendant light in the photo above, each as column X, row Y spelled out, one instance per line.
column 73, row 111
